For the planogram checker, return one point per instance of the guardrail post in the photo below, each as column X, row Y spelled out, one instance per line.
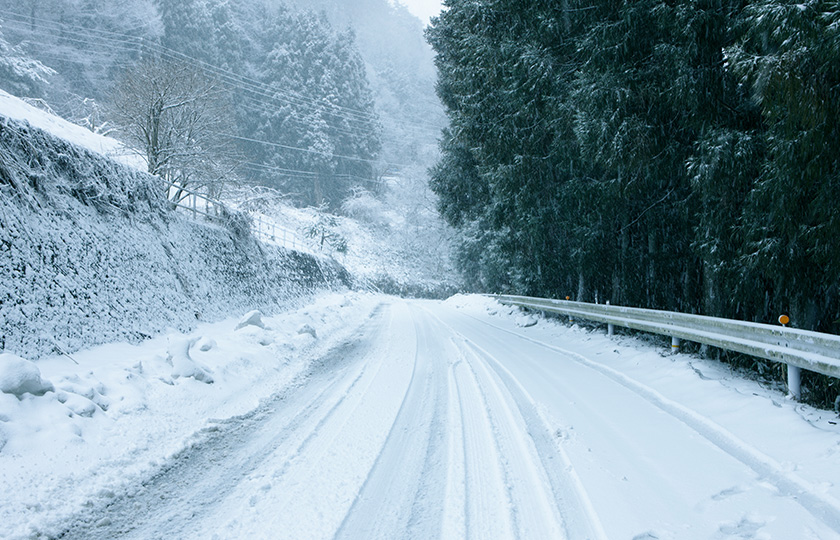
column 794, row 382
column 675, row 345
column 610, row 327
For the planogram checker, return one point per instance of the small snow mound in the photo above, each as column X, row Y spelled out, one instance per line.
column 206, row 344
column 306, row 329
column 19, row 376
column 79, row 405
column 183, row 366
column 252, row 318
column 526, row 321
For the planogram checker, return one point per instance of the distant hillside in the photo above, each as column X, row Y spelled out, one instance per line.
column 402, row 72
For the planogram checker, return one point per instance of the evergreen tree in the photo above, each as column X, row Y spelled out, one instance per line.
column 323, row 132
column 632, row 128
column 19, row 74
column 504, row 71
column 790, row 59
column 188, row 29
column 726, row 159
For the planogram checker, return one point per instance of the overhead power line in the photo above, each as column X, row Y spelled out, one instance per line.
column 129, row 43
column 258, row 95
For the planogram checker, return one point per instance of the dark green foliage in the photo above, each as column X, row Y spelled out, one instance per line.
column 671, row 154
column 790, row 59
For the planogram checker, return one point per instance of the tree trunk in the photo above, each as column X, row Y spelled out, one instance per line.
column 581, row 288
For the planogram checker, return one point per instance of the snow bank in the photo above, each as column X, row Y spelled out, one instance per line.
column 125, row 410
column 91, row 252
column 19, row 376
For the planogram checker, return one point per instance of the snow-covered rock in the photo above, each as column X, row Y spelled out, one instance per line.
column 183, row 365
column 252, row 318
column 19, row 376
column 307, row 329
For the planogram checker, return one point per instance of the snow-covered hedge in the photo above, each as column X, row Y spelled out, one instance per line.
column 91, row 252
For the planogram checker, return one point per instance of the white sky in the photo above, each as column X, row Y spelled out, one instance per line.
column 423, row 8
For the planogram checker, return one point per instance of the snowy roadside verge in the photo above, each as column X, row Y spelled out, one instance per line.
column 791, row 447
column 124, row 410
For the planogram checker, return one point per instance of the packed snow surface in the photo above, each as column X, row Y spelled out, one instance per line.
column 409, row 419
column 75, row 430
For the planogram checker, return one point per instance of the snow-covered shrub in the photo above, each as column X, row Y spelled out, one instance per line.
column 366, row 208
column 325, row 231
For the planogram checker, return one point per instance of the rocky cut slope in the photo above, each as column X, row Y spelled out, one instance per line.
column 91, row 252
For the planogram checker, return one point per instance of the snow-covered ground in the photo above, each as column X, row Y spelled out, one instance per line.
column 114, row 415
column 411, row 419
column 17, row 109
column 394, row 240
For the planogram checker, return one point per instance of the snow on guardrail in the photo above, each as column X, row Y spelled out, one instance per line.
column 799, row 349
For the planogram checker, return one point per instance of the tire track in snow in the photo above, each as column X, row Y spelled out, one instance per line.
column 570, row 508
column 455, row 500
column 488, row 507
column 823, row 507
column 192, row 485
column 311, row 493
column 406, row 505
column 532, row 494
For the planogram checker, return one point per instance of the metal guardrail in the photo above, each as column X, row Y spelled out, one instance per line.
column 799, row 349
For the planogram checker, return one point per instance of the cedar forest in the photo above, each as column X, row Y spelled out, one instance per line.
column 679, row 155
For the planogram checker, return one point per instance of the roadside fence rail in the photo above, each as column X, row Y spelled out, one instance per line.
column 199, row 204
column 798, row 349
column 277, row 234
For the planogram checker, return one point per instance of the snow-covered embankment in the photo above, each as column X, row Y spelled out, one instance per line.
column 92, row 254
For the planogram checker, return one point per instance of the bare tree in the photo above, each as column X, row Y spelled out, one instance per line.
column 175, row 117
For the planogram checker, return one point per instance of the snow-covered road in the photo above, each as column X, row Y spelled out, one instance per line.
column 440, row 420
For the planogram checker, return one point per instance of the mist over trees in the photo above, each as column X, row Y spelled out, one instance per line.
column 318, row 94
column 401, row 70
column 677, row 155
